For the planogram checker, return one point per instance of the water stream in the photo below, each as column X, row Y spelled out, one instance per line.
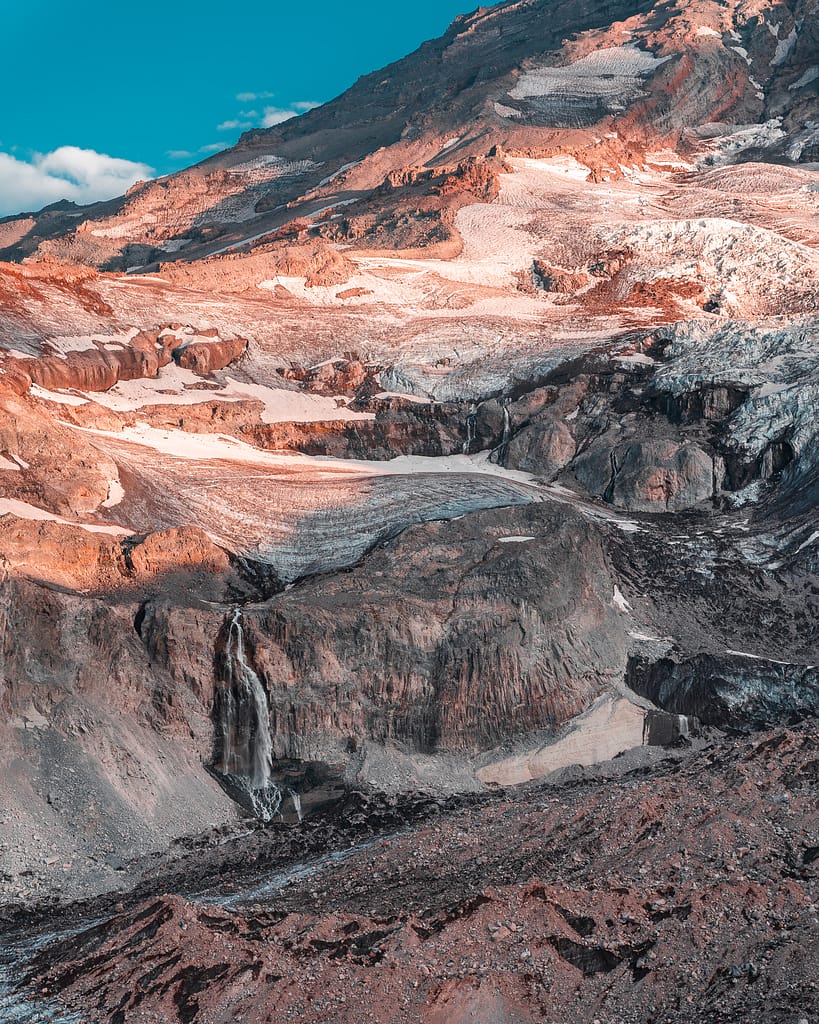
column 245, row 760
column 18, row 950
column 471, row 421
column 499, row 454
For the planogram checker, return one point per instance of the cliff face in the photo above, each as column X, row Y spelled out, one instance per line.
column 465, row 634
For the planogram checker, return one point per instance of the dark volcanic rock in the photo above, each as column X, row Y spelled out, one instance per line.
column 541, row 448
column 648, row 476
column 735, row 692
column 514, row 629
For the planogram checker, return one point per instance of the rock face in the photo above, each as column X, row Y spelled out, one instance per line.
column 205, row 357
column 732, row 692
column 648, row 476
column 505, row 637
column 56, row 468
column 542, row 448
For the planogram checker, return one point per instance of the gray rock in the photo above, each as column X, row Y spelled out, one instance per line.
column 648, row 476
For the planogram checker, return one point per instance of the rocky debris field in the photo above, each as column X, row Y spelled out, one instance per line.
column 683, row 891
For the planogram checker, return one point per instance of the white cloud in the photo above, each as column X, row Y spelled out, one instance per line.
column 233, row 126
column 81, row 175
column 251, row 97
column 275, row 115
column 189, row 154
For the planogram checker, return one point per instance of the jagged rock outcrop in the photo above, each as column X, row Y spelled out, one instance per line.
column 732, row 691
column 509, row 910
column 542, row 448
column 56, row 468
column 207, row 356
column 512, row 633
column 99, row 368
column 648, row 476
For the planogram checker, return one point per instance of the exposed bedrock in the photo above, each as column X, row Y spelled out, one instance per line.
column 180, row 558
column 100, row 366
column 207, row 356
column 649, row 476
column 542, row 448
column 57, row 468
column 140, row 355
column 453, row 637
column 99, row 749
column 497, row 639
column 733, row 692
column 400, row 427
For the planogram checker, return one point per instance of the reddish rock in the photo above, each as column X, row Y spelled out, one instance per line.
column 207, row 356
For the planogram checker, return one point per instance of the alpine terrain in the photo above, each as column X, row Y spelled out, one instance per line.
column 409, row 551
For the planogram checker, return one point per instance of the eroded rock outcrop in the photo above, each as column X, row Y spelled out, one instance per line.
column 207, row 356
column 57, row 468
column 648, row 476
column 497, row 912
column 734, row 691
column 509, row 634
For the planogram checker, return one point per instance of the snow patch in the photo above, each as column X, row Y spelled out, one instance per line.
column 756, row 657
column 282, row 406
column 611, row 72
column 806, row 543
column 60, row 397
column 116, row 492
column 619, row 601
column 784, row 46
column 23, row 510
column 62, row 345
column 336, row 174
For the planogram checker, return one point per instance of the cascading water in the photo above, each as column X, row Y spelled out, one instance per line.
column 294, row 796
column 246, row 754
column 499, row 454
column 470, row 430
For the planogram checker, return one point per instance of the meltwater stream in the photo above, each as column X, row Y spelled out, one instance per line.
column 18, row 950
column 16, row 953
column 245, row 760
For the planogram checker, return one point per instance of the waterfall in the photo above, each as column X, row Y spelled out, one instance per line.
column 500, row 452
column 244, row 728
column 470, row 430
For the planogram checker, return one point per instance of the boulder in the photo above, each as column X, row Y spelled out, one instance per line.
column 541, row 448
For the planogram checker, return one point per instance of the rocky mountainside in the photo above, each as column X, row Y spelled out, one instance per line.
column 456, row 432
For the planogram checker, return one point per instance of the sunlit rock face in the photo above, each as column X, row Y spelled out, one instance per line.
column 397, row 439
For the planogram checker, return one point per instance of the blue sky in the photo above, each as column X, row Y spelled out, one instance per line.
column 158, row 85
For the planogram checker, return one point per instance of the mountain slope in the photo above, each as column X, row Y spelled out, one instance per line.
column 433, row 438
